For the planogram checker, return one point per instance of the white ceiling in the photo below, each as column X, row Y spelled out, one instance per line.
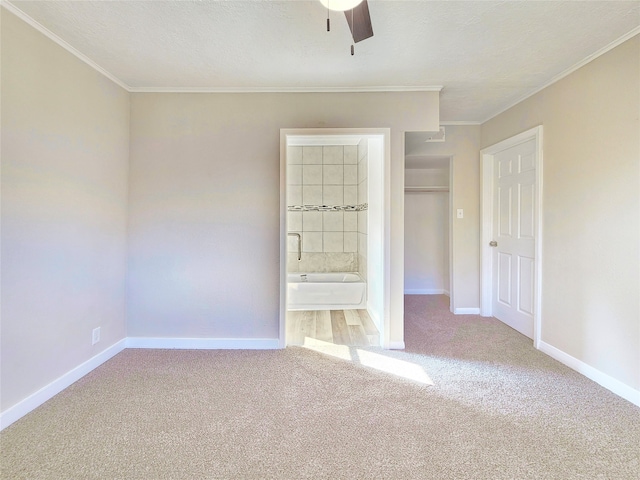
column 486, row 54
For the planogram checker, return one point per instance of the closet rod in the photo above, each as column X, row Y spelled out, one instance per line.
column 425, row 189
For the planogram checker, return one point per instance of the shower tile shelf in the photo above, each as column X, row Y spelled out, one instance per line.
column 328, row 208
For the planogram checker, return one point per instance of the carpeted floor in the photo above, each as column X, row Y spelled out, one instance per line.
column 488, row 406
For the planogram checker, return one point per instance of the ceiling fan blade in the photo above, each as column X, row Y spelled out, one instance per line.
column 359, row 22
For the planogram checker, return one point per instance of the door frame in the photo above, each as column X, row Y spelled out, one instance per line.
column 384, row 134
column 487, row 164
column 451, row 250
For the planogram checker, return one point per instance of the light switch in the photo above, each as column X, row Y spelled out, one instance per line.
column 460, row 213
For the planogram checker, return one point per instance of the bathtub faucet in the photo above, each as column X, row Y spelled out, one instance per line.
column 299, row 244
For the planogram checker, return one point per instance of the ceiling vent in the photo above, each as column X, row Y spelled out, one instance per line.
column 435, row 136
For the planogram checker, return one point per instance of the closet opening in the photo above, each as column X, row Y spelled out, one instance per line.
column 427, row 210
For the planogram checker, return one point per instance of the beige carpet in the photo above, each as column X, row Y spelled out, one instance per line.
column 496, row 409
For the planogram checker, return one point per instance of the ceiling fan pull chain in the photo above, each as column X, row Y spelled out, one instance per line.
column 353, row 26
column 328, row 21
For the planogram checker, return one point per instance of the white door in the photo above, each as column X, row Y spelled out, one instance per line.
column 513, row 232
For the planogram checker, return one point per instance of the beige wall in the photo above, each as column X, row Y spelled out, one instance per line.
column 463, row 144
column 204, row 203
column 426, row 236
column 591, row 201
column 64, row 153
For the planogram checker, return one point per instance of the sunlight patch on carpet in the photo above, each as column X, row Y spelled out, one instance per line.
column 366, row 358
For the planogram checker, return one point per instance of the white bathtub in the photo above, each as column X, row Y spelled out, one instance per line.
column 326, row 291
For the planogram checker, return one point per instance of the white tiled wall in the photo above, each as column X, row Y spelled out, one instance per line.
column 324, row 175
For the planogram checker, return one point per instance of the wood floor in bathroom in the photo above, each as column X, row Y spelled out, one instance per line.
column 341, row 327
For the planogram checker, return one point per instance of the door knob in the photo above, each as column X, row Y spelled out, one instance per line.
column 493, row 243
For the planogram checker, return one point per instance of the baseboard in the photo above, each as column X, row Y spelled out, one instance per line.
column 204, row 343
column 426, row 291
column 396, row 345
column 33, row 401
column 467, row 311
column 608, row 382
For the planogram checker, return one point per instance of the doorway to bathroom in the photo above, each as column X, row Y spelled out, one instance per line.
column 334, row 271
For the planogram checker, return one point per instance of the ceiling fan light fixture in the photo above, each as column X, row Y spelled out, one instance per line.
column 340, row 5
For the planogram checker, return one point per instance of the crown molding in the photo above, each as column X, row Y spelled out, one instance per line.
column 56, row 39
column 362, row 89
column 460, row 122
column 570, row 70
column 59, row 41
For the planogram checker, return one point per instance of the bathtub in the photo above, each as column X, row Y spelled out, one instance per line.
column 326, row 291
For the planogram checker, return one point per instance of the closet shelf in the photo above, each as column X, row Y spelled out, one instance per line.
column 426, row 189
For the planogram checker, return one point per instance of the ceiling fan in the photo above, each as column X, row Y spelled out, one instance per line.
column 357, row 15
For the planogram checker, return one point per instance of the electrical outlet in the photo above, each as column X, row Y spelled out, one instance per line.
column 95, row 337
